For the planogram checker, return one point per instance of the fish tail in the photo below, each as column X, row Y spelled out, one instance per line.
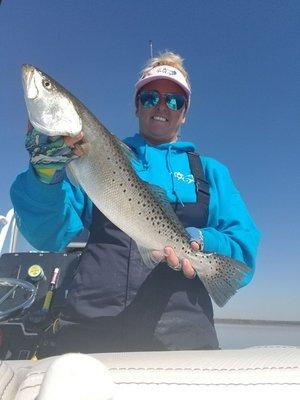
column 221, row 276
column 220, row 291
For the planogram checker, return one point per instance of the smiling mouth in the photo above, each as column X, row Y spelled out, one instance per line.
column 161, row 119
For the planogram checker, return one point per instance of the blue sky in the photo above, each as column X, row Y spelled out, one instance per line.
column 243, row 58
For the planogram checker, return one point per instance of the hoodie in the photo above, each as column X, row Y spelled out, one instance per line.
column 50, row 216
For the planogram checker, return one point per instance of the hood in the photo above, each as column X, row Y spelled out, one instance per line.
column 140, row 146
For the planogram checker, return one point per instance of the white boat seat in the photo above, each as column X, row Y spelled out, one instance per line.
column 157, row 375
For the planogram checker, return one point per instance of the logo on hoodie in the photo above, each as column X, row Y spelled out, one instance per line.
column 184, row 178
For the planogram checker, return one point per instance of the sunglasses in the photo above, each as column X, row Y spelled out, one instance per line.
column 151, row 98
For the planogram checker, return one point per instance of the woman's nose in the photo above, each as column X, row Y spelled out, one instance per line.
column 162, row 105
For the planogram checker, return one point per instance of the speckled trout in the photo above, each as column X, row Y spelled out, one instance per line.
column 106, row 174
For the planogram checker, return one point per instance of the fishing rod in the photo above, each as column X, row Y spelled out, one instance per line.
column 151, row 47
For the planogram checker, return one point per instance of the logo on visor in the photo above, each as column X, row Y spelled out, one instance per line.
column 166, row 71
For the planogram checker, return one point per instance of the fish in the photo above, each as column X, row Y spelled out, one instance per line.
column 105, row 172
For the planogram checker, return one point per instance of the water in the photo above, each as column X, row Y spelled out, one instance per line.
column 235, row 336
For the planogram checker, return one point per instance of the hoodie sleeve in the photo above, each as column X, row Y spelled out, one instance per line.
column 230, row 230
column 49, row 216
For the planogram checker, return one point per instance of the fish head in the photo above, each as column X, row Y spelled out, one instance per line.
column 50, row 107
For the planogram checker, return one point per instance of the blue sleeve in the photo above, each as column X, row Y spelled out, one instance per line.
column 230, row 230
column 49, row 216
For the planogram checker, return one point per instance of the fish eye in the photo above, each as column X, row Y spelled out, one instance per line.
column 47, row 84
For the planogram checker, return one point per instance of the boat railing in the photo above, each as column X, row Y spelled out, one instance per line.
column 8, row 224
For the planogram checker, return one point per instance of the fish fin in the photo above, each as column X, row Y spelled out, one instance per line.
column 220, row 292
column 161, row 196
column 221, row 280
column 148, row 258
column 72, row 178
column 127, row 151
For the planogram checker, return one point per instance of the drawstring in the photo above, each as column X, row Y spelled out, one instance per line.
column 146, row 166
column 145, row 158
column 172, row 175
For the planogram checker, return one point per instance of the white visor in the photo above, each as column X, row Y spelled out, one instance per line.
column 164, row 72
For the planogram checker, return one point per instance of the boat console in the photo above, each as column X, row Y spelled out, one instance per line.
column 33, row 289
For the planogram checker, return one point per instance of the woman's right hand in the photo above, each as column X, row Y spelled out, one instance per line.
column 49, row 155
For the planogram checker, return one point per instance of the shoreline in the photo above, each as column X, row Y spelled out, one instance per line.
column 234, row 321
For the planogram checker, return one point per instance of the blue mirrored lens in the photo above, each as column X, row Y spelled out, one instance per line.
column 149, row 99
column 175, row 101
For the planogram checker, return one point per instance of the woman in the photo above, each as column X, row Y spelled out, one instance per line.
column 115, row 303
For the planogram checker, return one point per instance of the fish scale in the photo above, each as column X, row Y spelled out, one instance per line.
column 106, row 174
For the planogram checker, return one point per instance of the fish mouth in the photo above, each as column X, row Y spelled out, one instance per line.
column 28, row 75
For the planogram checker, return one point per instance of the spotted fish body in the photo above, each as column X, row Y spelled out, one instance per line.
column 106, row 174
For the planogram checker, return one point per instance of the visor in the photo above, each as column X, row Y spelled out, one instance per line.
column 164, row 72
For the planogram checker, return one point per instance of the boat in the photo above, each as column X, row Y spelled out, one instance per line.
column 31, row 295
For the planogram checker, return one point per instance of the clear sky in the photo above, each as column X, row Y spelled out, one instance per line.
column 244, row 63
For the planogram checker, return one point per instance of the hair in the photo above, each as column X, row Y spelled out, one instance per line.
column 166, row 58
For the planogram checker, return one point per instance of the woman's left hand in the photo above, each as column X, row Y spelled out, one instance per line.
column 186, row 266
column 173, row 261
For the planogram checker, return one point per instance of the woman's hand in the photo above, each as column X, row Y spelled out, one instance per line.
column 170, row 257
column 50, row 155
column 186, row 266
column 71, row 142
column 74, row 142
